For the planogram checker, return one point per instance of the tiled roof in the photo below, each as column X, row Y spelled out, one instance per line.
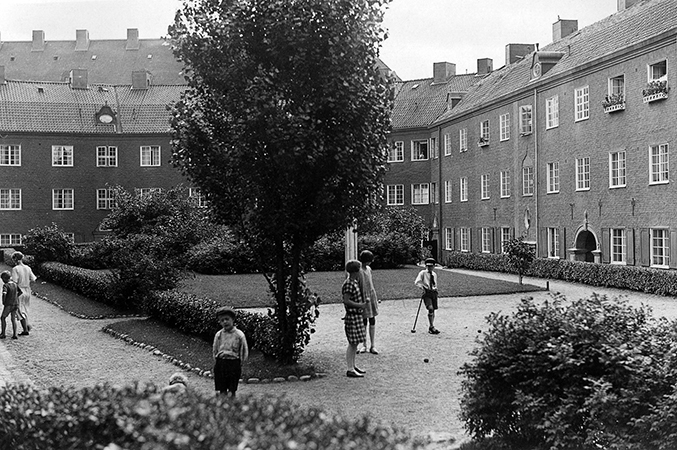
column 625, row 28
column 106, row 61
column 420, row 102
column 27, row 106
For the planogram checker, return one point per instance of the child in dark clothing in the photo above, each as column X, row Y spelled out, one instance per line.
column 10, row 295
column 230, row 351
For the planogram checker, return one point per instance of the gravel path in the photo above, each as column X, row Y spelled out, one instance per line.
column 399, row 387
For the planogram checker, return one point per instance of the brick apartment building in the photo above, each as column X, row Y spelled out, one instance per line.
column 568, row 145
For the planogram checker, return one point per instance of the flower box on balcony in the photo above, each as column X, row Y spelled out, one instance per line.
column 614, row 108
column 613, row 102
column 655, row 90
column 654, row 97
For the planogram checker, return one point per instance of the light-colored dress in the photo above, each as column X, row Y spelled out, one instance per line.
column 369, row 293
column 23, row 276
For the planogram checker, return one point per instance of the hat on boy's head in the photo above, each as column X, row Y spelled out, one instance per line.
column 178, row 377
column 225, row 311
column 430, row 262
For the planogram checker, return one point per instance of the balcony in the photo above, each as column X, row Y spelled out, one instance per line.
column 483, row 142
column 655, row 90
column 613, row 103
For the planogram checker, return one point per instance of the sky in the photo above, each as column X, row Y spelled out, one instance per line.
column 421, row 32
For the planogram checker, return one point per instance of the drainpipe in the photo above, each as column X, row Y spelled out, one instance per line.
column 535, row 124
column 440, row 233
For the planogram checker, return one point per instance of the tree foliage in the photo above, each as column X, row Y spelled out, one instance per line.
column 521, row 255
column 283, row 125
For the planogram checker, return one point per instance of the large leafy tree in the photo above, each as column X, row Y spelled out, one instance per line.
column 284, row 123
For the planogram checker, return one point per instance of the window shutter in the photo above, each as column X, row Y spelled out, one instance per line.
column 493, row 240
column 606, row 241
column 455, row 240
column 630, row 246
column 470, row 233
column 563, row 243
column 644, row 246
column 673, row 249
column 512, row 232
column 543, row 243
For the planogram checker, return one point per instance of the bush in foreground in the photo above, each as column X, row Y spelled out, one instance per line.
column 593, row 373
column 139, row 417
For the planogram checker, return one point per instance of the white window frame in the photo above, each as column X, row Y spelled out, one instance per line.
column 447, row 144
column 463, row 189
column 552, row 112
column 63, row 199
column 463, row 140
column 553, row 243
column 485, row 131
column 146, row 191
column 395, row 194
column 581, row 103
column 504, row 120
column 434, row 148
column 484, row 186
column 448, row 238
column 106, row 156
column 396, row 152
column 10, row 239
column 417, row 152
column 553, row 177
column 486, row 240
column 10, row 199
column 447, row 191
column 651, row 73
column 505, row 184
column 420, row 194
column 464, row 238
column 527, row 181
column 618, row 246
column 10, row 155
column 583, row 174
column 505, row 237
column 150, row 156
column 660, row 248
column 434, row 194
column 62, row 156
column 659, row 164
column 616, row 88
column 617, row 169
column 195, row 194
column 105, row 199
column 526, row 120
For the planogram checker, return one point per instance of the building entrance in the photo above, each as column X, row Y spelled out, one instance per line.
column 586, row 244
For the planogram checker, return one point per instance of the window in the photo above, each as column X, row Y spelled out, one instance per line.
column 553, row 178
column 396, row 152
column 463, row 140
column 62, row 155
column 658, row 167
column 505, row 184
column 660, row 248
column 106, row 156
column 617, row 169
column 395, row 194
column 484, row 132
column 582, row 102
column 434, row 148
column 105, row 198
column 505, row 126
column 420, row 194
column 141, row 192
column 553, row 243
column 463, row 189
column 583, row 174
column 70, row 237
column 486, row 240
column 484, row 187
column 447, row 191
column 435, row 197
column 196, row 195
column 527, row 181
column 525, row 120
column 419, row 150
column 658, row 71
column 10, row 239
column 10, row 155
column 10, row 199
column 448, row 239
column 618, row 243
column 447, row 144
column 552, row 112
column 150, row 155
column 465, row 239
column 62, row 199
column 506, row 235
column 617, row 87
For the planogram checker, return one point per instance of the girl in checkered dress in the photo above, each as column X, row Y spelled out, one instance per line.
column 354, row 326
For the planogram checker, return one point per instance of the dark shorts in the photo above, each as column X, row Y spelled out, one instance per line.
column 430, row 299
column 10, row 309
column 227, row 373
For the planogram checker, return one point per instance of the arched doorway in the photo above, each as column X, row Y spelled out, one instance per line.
column 586, row 244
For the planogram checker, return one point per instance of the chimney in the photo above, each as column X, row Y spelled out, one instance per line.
column 485, row 66
column 81, row 40
column 442, row 71
column 38, row 41
column 625, row 4
column 140, row 79
column 79, row 79
column 515, row 52
column 132, row 39
column 2, row 75
column 563, row 28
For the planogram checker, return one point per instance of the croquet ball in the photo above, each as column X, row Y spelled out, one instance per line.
column 479, row 331
column 425, row 360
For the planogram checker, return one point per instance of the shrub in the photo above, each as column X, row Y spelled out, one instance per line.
column 520, row 255
column 138, row 416
column 48, row 243
column 591, row 374
column 221, row 254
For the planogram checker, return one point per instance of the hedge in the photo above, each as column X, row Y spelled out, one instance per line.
column 140, row 417
column 93, row 284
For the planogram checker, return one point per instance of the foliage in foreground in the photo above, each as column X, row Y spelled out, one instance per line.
column 48, row 243
column 593, row 373
column 139, row 417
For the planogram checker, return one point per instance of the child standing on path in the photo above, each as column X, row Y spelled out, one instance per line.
column 10, row 293
column 427, row 280
column 371, row 301
column 354, row 326
column 23, row 276
column 230, row 351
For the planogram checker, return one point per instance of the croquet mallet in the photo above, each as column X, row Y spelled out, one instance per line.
column 413, row 330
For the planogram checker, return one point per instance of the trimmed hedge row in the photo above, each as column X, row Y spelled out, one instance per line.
column 94, row 284
column 140, row 417
column 643, row 279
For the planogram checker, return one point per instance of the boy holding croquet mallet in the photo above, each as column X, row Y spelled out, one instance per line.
column 427, row 280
